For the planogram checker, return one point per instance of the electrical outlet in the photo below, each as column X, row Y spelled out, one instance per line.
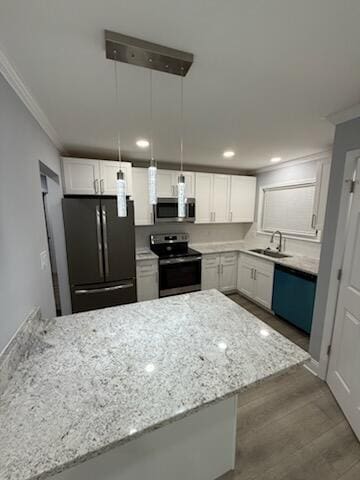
column 44, row 260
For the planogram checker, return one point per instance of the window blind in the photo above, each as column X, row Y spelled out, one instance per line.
column 289, row 209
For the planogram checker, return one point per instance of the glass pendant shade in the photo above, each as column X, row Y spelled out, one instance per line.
column 152, row 173
column 181, row 196
column 121, row 195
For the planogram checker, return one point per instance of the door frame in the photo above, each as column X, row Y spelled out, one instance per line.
column 351, row 159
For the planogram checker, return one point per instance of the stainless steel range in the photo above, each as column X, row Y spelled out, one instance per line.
column 179, row 265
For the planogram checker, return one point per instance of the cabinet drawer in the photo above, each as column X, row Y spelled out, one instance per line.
column 211, row 260
column 228, row 258
column 146, row 267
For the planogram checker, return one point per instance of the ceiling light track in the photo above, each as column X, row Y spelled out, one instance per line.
column 135, row 51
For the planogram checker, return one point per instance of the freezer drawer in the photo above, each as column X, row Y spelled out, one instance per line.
column 92, row 297
column 293, row 296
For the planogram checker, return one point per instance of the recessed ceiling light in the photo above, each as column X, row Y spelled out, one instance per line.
column 275, row 159
column 228, row 153
column 142, row 143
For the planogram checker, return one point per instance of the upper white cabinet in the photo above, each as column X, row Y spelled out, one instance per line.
column 143, row 210
column 167, row 181
column 255, row 279
column 212, row 198
column 84, row 176
column 242, row 198
column 224, row 198
column 321, row 191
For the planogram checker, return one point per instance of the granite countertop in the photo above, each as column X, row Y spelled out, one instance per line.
column 99, row 379
column 298, row 262
column 145, row 254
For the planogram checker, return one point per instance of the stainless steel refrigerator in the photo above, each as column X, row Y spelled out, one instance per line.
column 101, row 253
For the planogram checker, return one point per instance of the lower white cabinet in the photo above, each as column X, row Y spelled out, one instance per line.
column 147, row 280
column 219, row 271
column 255, row 279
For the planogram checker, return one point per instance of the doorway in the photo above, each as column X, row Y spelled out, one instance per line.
column 344, row 363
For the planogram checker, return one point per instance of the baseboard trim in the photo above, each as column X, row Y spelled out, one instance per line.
column 313, row 366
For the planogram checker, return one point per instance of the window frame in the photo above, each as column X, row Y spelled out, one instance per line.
column 316, row 237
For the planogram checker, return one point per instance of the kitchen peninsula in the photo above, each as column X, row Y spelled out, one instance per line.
column 126, row 388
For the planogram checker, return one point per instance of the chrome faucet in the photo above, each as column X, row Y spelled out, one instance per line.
column 279, row 247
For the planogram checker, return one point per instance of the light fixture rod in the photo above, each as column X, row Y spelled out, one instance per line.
column 152, row 161
column 117, row 110
column 147, row 54
column 182, row 124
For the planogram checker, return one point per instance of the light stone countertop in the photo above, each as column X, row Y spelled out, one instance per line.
column 297, row 262
column 99, row 379
column 145, row 254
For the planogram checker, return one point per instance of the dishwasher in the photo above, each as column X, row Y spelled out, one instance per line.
column 293, row 296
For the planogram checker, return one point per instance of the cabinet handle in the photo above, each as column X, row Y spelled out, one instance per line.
column 96, row 186
column 313, row 220
column 218, row 269
column 222, row 269
column 214, row 216
column 102, row 186
column 254, row 273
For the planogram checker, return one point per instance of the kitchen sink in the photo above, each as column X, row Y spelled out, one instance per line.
column 269, row 253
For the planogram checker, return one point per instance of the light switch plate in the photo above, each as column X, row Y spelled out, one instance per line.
column 43, row 260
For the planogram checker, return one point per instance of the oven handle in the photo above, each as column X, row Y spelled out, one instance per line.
column 179, row 260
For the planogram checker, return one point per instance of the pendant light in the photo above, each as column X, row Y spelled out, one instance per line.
column 152, row 170
column 181, row 180
column 120, row 180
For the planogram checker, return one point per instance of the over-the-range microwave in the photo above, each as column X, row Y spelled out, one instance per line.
column 166, row 210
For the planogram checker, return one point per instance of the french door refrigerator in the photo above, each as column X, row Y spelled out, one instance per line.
column 100, row 251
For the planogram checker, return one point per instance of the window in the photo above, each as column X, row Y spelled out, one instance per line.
column 288, row 208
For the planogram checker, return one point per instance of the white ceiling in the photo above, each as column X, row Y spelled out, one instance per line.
column 265, row 75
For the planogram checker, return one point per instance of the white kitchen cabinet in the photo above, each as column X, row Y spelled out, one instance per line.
column 147, row 280
column 224, row 198
column 108, row 176
column 220, row 198
column 81, row 176
column 228, row 271
column 168, row 180
column 85, row 176
column 203, row 196
column 210, row 271
column 219, row 271
column 212, row 198
column 255, row 279
column 321, row 191
column 242, row 198
column 143, row 210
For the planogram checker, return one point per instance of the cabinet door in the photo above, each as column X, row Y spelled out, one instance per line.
column 322, row 185
column 228, row 271
column 242, row 198
column 245, row 278
column 165, row 183
column 210, row 268
column 108, row 176
column 143, row 210
column 81, row 176
column 203, row 195
column 189, row 183
column 221, row 189
column 147, row 281
column 264, row 279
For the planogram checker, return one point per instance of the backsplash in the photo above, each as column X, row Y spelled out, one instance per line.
column 199, row 233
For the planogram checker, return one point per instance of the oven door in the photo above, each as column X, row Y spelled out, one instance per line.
column 179, row 275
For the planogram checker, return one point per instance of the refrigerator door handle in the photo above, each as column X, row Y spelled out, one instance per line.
column 106, row 248
column 105, row 289
column 99, row 242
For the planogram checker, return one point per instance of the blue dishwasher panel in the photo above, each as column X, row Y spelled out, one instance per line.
column 293, row 296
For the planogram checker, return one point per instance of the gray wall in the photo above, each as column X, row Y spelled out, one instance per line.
column 347, row 137
column 23, row 285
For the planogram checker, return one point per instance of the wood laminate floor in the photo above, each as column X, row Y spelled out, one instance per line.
column 291, row 428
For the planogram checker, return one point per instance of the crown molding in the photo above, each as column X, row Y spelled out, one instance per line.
column 325, row 155
column 15, row 81
column 344, row 115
